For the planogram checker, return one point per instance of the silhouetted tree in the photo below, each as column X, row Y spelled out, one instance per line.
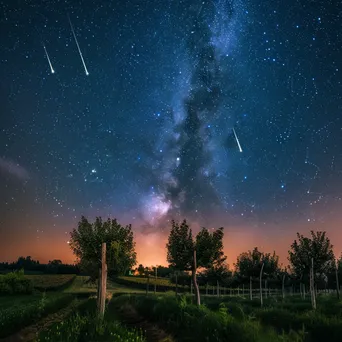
column 317, row 247
column 181, row 247
column 86, row 242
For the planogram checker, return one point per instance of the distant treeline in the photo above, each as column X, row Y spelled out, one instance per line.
column 31, row 266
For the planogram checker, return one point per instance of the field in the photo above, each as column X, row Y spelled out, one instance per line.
column 69, row 314
column 51, row 282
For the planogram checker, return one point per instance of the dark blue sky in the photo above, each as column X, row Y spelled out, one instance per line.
column 148, row 135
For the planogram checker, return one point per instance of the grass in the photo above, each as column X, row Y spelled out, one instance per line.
column 188, row 322
column 84, row 326
column 21, row 311
column 51, row 282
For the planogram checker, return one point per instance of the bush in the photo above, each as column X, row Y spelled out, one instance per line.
column 15, row 283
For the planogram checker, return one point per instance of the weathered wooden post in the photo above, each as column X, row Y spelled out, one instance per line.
column 250, row 288
column 312, row 286
column 243, row 290
column 103, row 287
column 283, row 287
column 206, row 289
column 337, row 282
column 262, row 268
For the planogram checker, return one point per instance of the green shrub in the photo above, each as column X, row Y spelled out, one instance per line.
column 15, row 283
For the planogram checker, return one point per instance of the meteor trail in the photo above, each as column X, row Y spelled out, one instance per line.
column 237, row 140
column 79, row 50
column 48, row 58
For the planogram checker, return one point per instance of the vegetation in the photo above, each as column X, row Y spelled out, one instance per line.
column 23, row 310
column 83, row 325
column 15, row 283
column 86, row 242
column 31, row 266
column 185, row 253
column 50, row 282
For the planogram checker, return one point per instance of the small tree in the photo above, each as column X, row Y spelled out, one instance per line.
column 187, row 254
column 86, row 241
column 318, row 248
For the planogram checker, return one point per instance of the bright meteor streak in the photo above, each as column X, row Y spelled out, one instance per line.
column 79, row 50
column 237, row 140
column 48, row 58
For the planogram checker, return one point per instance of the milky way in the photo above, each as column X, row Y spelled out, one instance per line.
column 148, row 135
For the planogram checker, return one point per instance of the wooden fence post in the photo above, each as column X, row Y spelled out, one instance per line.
column 261, row 301
column 102, row 301
column 250, row 288
column 283, row 287
column 337, row 283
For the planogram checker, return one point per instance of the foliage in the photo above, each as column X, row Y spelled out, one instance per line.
column 23, row 313
column 317, row 247
column 15, row 283
column 220, row 274
column 86, row 242
column 83, row 325
column 31, row 266
column 50, row 282
column 187, row 322
column 249, row 264
column 180, row 247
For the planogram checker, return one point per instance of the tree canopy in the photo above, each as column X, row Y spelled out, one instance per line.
column 317, row 247
column 249, row 264
column 86, row 241
column 181, row 245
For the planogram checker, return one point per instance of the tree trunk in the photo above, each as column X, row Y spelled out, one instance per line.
column 337, row 283
column 194, row 280
column 283, row 287
column 103, row 281
column 261, row 301
column 250, row 289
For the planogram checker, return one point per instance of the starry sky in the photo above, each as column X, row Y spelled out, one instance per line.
column 224, row 112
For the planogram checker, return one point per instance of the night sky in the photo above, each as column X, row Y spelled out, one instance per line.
column 224, row 112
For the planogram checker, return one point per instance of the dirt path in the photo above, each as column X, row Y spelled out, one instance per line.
column 30, row 333
column 130, row 318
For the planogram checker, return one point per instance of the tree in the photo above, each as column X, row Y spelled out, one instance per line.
column 187, row 254
column 249, row 264
column 86, row 241
column 141, row 270
column 317, row 247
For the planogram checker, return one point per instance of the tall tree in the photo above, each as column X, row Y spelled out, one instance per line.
column 319, row 248
column 208, row 248
column 86, row 242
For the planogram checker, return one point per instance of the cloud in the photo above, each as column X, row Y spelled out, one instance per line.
column 14, row 169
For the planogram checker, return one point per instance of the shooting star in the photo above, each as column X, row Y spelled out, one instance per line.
column 79, row 50
column 48, row 58
column 237, row 140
